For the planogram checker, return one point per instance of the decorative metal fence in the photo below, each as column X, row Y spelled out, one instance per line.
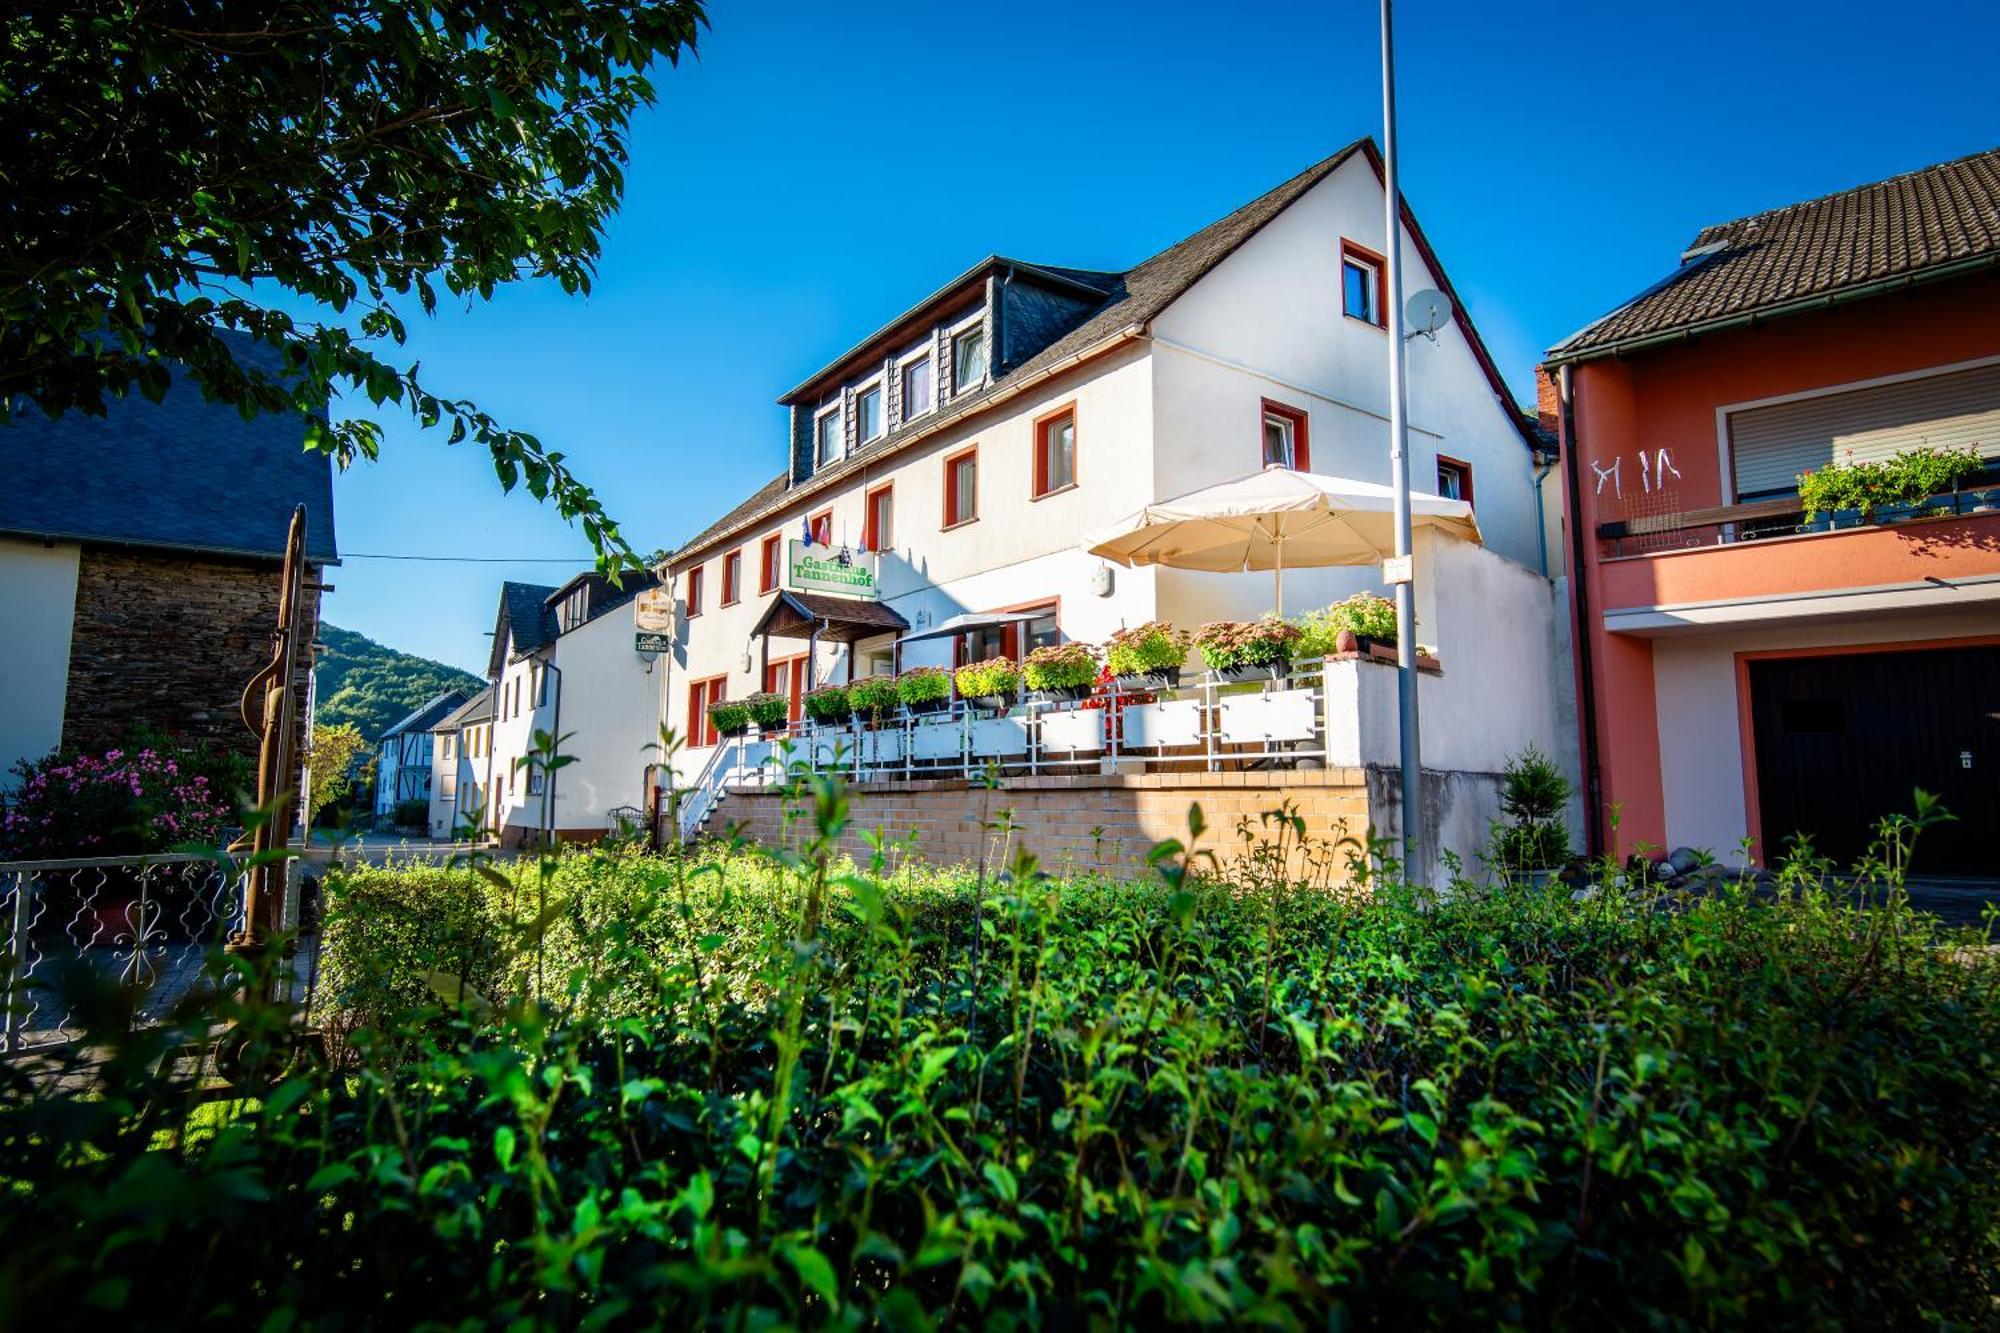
column 147, row 921
column 1199, row 722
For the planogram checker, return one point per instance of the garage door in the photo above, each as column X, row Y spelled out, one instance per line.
column 1843, row 740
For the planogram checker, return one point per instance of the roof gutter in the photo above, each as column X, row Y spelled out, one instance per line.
column 1801, row 305
column 690, row 554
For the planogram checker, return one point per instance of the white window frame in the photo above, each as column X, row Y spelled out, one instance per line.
column 1291, row 429
column 951, row 337
column 903, row 364
column 839, row 435
column 881, row 387
column 1374, row 288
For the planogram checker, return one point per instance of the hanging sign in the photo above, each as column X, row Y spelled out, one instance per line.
column 831, row 569
column 653, row 620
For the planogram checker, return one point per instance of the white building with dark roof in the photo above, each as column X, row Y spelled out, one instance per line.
column 960, row 452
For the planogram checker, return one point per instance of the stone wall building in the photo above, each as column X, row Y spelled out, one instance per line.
column 140, row 555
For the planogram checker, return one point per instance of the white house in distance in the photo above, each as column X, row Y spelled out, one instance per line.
column 564, row 662
column 403, row 769
column 969, row 444
column 460, row 743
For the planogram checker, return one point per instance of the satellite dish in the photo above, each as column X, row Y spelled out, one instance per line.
column 1426, row 313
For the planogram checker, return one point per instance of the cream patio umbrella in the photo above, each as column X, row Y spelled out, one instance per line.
column 1275, row 519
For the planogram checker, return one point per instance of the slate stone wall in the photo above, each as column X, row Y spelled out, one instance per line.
column 168, row 641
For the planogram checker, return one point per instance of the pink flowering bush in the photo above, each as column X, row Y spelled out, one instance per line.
column 112, row 804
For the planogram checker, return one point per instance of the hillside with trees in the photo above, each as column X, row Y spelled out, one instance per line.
column 373, row 686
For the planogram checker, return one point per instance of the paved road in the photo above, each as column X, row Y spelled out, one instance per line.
column 1961, row 902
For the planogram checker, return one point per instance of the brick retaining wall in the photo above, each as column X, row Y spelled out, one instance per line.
column 1080, row 822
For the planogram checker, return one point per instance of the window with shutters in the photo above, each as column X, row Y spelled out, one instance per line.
column 1770, row 444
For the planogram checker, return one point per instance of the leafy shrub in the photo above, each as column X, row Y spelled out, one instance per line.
column 829, row 704
column 1910, row 477
column 874, row 697
column 921, row 685
column 413, row 813
column 994, row 676
column 1060, row 666
column 769, row 711
column 731, row 717
column 117, row 803
column 1228, row 644
column 1152, row 647
column 748, row 1091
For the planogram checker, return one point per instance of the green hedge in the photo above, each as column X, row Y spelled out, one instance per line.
column 742, row 1091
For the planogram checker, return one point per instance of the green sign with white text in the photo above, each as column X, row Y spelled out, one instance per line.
column 819, row 568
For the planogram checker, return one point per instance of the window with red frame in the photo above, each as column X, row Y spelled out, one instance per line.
column 767, row 563
column 694, row 591
column 822, row 527
column 961, row 488
column 1454, row 479
column 880, row 531
column 1364, row 284
column 732, row 578
column 1285, row 442
column 786, row 678
column 1055, row 452
column 702, row 693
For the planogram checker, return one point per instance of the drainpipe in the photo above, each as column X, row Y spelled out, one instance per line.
column 549, row 778
column 1579, row 591
column 1539, row 467
column 491, row 806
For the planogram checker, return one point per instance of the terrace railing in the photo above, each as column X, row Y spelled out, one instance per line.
column 147, row 921
column 1762, row 520
column 1203, row 723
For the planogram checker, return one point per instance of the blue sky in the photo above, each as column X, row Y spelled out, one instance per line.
column 819, row 167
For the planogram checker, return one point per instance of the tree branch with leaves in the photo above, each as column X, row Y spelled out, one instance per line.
column 174, row 176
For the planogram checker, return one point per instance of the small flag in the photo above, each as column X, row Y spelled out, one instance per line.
column 806, row 527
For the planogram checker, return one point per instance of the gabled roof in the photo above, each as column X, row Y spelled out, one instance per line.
column 476, row 709
column 181, row 474
column 793, row 615
column 1915, row 227
column 1132, row 300
column 524, row 617
column 428, row 714
column 604, row 597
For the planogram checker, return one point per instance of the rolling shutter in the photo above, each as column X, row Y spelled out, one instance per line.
column 1772, row 445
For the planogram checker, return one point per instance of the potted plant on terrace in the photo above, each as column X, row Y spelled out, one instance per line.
column 924, row 689
column 1240, row 649
column 1061, row 671
column 989, row 685
column 1907, row 479
column 828, row 705
column 1148, row 654
column 729, row 717
column 874, row 698
column 769, row 711
column 1355, row 624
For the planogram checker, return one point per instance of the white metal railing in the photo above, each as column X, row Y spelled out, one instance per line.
column 148, row 921
column 1205, row 722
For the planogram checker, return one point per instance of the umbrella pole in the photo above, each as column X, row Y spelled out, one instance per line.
column 1278, row 598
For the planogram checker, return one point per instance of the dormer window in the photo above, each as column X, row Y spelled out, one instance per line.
column 868, row 413
column 826, row 437
column 918, row 382
column 575, row 609
column 968, row 359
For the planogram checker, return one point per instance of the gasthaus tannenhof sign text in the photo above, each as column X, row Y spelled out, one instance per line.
column 818, row 568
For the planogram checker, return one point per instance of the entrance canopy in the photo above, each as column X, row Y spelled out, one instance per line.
column 971, row 620
column 805, row 615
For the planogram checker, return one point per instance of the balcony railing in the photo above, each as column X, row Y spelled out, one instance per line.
column 1200, row 722
column 1722, row 525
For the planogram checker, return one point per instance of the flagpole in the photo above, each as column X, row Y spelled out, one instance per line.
column 1399, row 470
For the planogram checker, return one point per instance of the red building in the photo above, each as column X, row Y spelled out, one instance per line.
column 1748, row 672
